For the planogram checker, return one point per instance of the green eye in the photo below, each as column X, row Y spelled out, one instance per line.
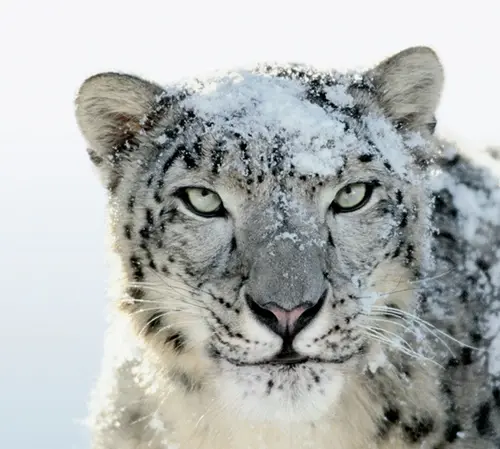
column 352, row 197
column 202, row 201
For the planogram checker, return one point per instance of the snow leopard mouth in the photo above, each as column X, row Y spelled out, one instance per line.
column 293, row 362
column 289, row 359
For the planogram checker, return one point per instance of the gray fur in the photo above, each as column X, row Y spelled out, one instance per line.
column 409, row 85
column 187, row 358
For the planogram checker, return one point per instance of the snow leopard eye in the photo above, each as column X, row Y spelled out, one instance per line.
column 352, row 197
column 202, row 201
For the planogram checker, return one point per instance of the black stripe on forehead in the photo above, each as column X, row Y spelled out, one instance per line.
column 276, row 158
column 198, row 147
column 341, row 169
column 243, row 147
column 172, row 158
column 347, row 115
column 218, row 153
column 316, row 94
column 191, row 159
column 314, row 81
column 245, row 156
column 190, row 156
column 178, row 125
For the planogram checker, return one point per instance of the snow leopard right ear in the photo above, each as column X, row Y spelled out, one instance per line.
column 408, row 87
column 111, row 111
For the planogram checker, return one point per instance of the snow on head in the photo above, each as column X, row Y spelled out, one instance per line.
column 314, row 116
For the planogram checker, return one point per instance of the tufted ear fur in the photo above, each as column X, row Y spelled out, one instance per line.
column 111, row 109
column 408, row 87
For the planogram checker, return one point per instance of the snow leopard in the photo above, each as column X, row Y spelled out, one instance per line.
column 299, row 261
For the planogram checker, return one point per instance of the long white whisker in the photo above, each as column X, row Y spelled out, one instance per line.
column 162, row 303
column 432, row 278
column 374, row 318
column 411, row 353
column 385, row 332
column 390, row 343
column 188, row 300
column 143, row 329
column 164, row 281
column 164, row 312
column 177, row 325
column 406, row 315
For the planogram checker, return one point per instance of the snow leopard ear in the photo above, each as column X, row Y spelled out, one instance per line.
column 408, row 86
column 111, row 111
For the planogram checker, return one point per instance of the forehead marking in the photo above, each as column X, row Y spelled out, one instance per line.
column 217, row 157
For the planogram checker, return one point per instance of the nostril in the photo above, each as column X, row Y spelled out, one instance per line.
column 310, row 313
column 264, row 315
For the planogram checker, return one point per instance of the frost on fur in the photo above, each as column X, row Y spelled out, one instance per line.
column 301, row 262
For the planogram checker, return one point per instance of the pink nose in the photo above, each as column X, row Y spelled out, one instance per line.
column 286, row 323
column 287, row 318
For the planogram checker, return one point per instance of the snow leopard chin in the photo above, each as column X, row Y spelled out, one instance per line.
column 297, row 393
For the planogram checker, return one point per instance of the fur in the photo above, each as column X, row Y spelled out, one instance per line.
column 395, row 347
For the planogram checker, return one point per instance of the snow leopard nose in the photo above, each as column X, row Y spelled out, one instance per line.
column 286, row 323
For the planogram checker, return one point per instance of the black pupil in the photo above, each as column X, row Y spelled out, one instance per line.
column 205, row 192
column 348, row 190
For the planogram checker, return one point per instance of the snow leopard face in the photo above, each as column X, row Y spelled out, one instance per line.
column 265, row 218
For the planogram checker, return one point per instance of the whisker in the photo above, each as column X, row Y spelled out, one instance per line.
column 163, row 285
column 390, row 343
column 414, row 332
column 191, row 289
column 143, row 329
column 410, row 316
column 385, row 332
column 377, row 337
column 392, row 292
column 161, row 303
column 166, row 313
column 433, row 278
column 188, row 300
column 178, row 325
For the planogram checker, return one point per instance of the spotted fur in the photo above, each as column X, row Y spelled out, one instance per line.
column 396, row 349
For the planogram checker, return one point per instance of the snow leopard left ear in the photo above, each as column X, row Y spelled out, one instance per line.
column 111, row 111
column 408, row 86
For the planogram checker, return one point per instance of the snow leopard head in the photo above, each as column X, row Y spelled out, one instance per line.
column 265, row 219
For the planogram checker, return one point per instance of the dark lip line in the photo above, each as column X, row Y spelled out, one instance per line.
column 277, row 363
column 287, row 360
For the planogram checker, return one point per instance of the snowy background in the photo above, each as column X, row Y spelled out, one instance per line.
column 52, row 256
